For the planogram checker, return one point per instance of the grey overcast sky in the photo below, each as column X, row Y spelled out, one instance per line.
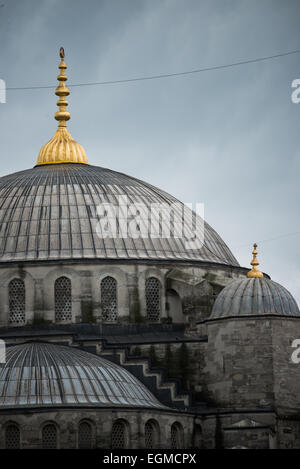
column 229, row 138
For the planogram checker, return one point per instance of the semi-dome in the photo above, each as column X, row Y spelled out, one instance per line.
column 43, row 374
column 254, row 295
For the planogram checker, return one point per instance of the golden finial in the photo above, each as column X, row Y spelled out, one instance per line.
column 254, row 272
column 62, row 148
column 62, row 91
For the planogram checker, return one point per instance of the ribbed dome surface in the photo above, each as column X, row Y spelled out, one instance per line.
column 250, row 296
column 50, row 212
column 43, row 374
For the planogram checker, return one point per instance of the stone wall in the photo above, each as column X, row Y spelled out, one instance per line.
column 239, row 369
column 288, row 433
column 249, row 363
column 182, row 360
column 286, row 373
column 187, row 293
column 67, row 423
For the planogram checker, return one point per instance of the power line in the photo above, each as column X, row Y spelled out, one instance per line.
column 166, row 75
column 286, row 235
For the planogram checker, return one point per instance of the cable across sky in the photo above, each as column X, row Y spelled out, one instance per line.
column 166, row 75
column 275, row 238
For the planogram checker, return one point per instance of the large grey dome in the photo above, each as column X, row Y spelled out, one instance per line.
column 251, row 296
column 49, row 212
column 43, row 374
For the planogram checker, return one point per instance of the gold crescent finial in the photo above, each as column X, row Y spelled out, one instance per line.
column 254, row 272
column 62, row 115
column 62, row 148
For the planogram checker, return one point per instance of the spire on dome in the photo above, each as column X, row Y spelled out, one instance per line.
column 254, row 272
column 62, row 91
column 62, row 148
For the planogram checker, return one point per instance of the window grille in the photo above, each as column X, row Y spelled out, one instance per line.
column 12, row 437
column 151, row 436
column 16, row 293
column 63, row 299
column 84, row 436
column 176, row 436
column 119, row 435
column 49, row 436
column 109, row 299
column 153, row 299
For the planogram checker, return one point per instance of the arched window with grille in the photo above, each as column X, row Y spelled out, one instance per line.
column 85, row 435
column 109, row 302
column 153, row 300
column 16, row 298
column 12, row 436
column 176, row 436
column 63, row 299
column 49, row 436
column 151, row 435
column 119, row 435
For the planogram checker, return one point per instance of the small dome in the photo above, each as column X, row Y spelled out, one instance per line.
column 43, row 374
column 254, row 296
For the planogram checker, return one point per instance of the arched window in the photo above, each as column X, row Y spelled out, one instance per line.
column 174, row 306
column 12, row 437
column 151, row 435
column 119, row 435
column 197, row 436
column 16, row 294
column 153, row 299
column 49, row 436
column 176, row 436
column 109, row 299
column 63, row 299
column 85, row 435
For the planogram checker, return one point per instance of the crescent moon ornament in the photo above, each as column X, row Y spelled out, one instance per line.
column 62, row 53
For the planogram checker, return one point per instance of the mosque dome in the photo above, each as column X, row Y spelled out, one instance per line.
column 38, row 374
column 50, row 212
column 254, row 295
